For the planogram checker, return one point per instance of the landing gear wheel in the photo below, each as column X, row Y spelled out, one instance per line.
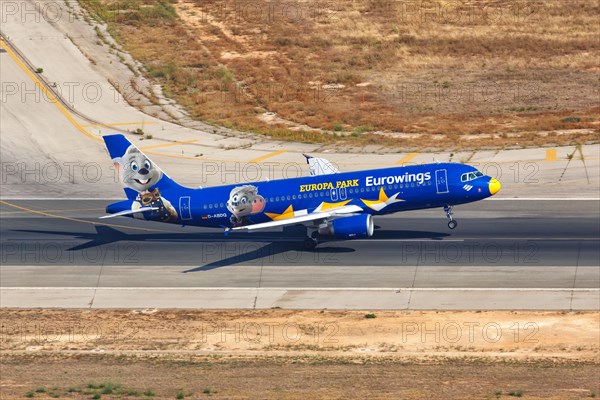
column 452, row 223
column 310, row 243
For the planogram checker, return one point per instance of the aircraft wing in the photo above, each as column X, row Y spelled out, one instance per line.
column 320, row 166
column 336, row 212
column 129, row 212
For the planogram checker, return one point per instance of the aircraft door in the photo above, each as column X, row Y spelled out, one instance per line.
column 185, row 211
column 441, row 181
column 338, row 194
column 334, row 195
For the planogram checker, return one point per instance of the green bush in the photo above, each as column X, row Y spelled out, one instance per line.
column 571, row 119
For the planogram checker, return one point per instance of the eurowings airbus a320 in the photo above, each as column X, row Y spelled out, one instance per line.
column 328, row 202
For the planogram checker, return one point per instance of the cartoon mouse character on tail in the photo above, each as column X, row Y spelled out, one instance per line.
column 139, row 174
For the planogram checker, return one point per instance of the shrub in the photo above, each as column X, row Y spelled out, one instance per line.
column 370, row 315
column 224, row 75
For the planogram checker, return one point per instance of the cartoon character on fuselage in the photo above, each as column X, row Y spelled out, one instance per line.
column 243, row 202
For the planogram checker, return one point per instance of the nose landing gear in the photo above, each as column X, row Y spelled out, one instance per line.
column 452, row 222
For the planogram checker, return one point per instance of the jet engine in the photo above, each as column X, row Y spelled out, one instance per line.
column 349, row 227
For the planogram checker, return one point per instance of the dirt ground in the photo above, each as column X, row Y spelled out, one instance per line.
column 299, row 354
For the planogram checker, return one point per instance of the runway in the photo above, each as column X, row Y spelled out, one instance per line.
column 502, row 247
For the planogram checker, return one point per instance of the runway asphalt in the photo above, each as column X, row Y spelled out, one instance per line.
column 510, row 244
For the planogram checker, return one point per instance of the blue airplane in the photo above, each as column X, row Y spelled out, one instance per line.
column 327, row 203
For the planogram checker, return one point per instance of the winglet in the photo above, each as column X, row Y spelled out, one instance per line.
column 226, row 230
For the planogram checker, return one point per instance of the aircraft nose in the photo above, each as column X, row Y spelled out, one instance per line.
column 494, row 186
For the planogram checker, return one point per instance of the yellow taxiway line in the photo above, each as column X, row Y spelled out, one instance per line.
column 407, row 158
column 47, row 92
column 47, row 214
column 266, row 156
column 551, row 155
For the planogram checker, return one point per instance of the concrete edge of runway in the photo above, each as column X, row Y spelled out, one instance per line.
column 447, row 299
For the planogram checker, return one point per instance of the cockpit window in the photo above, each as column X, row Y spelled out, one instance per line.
column 469, row 176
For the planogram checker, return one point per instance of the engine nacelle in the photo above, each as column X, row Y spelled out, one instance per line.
column 349, row 227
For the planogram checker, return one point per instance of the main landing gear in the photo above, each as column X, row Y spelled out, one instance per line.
column 310, row 242
column 452, row 222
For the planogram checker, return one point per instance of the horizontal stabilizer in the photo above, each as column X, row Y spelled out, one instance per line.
column 129, row 212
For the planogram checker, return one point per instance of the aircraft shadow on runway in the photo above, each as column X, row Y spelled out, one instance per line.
column 290, row 239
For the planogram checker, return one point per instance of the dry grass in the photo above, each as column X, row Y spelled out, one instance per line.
column 285, row 379
column 299, row 355
column 490, row 67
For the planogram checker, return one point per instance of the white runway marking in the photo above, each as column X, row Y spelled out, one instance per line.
column 335, row 289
